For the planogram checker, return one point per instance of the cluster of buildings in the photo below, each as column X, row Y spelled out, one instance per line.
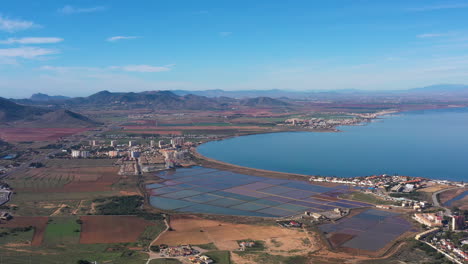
column 396, row 182
column 5, row 195
column 179, row 251
column 289, row 224
column 449, row 248
column 201, row 259
column 80, row 154
column 429, row 219
column 243, row 245
column 334, row 214
column 321, row 123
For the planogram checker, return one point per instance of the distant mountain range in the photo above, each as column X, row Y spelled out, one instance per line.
column 158, row 100
column 13, row 113
column 277, row 93
column 192, row 99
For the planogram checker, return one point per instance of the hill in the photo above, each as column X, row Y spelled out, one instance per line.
column 46, row 97
column 65, row 118
column 263, row 102
column 153, row 99
column 15, row 114
column 10, row 111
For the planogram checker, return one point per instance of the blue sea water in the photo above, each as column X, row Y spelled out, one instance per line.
column 429, row 143
column 456, row 198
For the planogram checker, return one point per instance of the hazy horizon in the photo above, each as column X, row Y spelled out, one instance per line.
column 80, row 48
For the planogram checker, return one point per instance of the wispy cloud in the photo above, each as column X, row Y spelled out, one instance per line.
column 126, row 68
column 117, row 38
column 68, row 10
column 439, row 7
column 14, row 25
column 26, row 52
column 432, row 35
column 143, row 68
column 225, row 33
column 31, row 40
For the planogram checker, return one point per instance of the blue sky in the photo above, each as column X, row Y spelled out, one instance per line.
column 79, row 47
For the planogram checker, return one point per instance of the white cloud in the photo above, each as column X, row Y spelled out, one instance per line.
column 116, row 38
column 26, row 52
column 14, row 25
column 225, row 33
column 439, row 7
column 31, row 40
column 104, row 70
column 68, row 10
column 142, row 68
column 431, row 35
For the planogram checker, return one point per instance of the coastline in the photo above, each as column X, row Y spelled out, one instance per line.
column 213, row 163
column 216, row 164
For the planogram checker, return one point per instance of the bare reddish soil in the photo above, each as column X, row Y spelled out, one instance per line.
column 38, row 222
column 159, row 132
column 37, row 134
column 92, row 179
column 111, row 229
column 192, row 127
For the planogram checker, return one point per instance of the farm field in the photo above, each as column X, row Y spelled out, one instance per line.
column 112, row 229
column 87, row 179
column 62, row 231
column 102, row 253
column 224, row 235
column 37, row 134
column 39, row 223
column 66, row 187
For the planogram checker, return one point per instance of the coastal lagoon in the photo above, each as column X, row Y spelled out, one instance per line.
column 427, row 143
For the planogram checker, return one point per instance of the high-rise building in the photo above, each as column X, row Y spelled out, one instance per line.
column 152, row 143
column 75, row 153
column 178, row 141
column 161, row 144
column 85, row 154
column 458, row 222
column 131, row 143
column 113, row 143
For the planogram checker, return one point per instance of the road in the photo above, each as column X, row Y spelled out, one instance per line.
column 436, row 202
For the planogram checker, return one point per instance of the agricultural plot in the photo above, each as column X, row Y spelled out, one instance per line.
column 370, row 230
column 112, row 229
column 38, row 223
column 13, row 134
column 62, row 231
column 66, row 179
column 212, row 191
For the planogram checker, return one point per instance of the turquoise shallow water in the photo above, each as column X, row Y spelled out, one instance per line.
column 430, row 143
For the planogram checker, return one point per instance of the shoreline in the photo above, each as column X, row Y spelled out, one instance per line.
column 217, row 164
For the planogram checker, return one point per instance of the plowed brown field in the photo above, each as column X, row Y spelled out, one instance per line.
column 111, row 229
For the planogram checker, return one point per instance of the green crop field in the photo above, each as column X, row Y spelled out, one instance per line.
column 16, row 235
column 102, row 253
column 62, row 230
column 220, row 256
